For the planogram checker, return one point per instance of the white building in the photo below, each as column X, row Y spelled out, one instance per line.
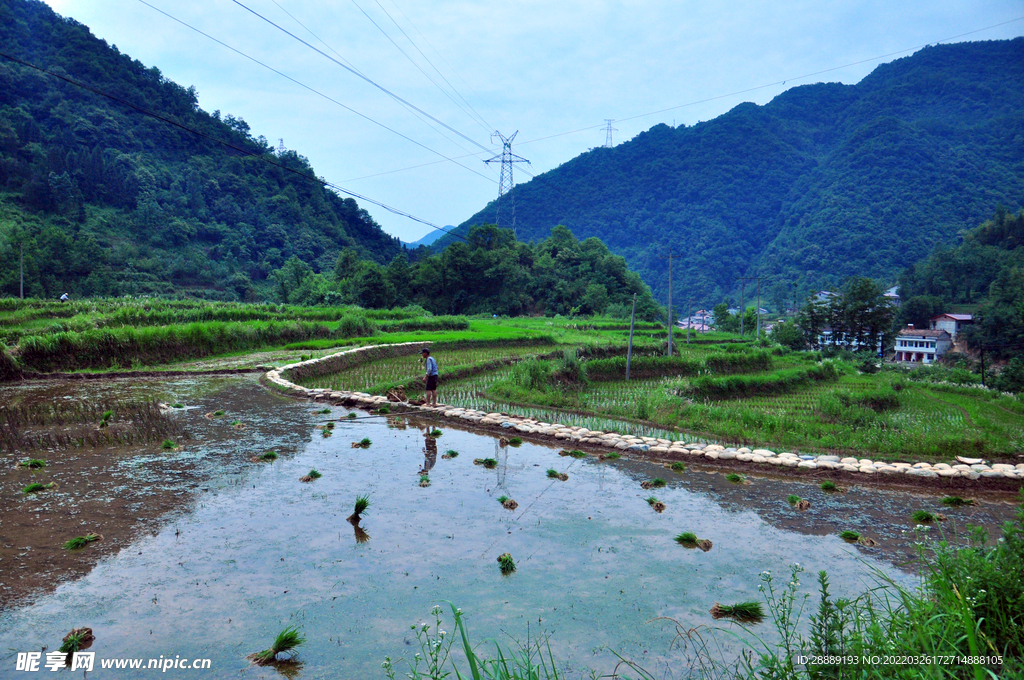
column 921, row 346
column 951, row 323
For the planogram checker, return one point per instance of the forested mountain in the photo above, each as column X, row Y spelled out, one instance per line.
column 986, row 269
column 107, row 200
column 825, row 182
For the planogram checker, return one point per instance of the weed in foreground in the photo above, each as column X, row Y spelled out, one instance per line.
column 76, row 640
column 748, row 612
column 506, row 563
column 922, row 516
column 79, row 542
column 37, row 487
column 362, row 503
column 286, row 642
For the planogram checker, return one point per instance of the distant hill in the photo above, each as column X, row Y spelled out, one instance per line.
column 824, row 182
column 106, row 200
column 429, row 238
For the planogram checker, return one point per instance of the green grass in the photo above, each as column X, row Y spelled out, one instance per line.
column 956, row 501
column 35, row 487
column 686, row 538
column 362, row 503
column 79, row 542
column 750, row 610
column 922, row 516
column 849, row 535
column 33, row 464
column 828, row 486
column 286, row 641
column 506, row 563
column 678, row 467
column 73, row 642
column 168, row 445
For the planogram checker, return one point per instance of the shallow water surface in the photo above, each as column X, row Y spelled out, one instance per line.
column 595, row 564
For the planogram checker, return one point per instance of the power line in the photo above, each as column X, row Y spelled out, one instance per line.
column 245, row 152
column 506, row 183
column 475, row 118
column 361, row 76
column 313, row 90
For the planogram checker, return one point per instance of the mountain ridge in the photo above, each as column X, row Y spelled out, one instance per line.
column 823, row 182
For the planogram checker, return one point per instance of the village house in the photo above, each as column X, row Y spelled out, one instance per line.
column 916, row 346
column 951, row 323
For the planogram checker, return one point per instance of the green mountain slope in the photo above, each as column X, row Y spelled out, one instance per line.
column 824, row 182
column 106, row 200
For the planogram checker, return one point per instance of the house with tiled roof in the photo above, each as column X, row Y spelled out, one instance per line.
column 951, row 323
column 919, row 346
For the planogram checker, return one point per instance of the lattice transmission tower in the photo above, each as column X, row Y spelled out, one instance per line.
column 609, row 129
column 505, row 213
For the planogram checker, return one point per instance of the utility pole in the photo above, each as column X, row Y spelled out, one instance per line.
column 671, row 321
column 609, row 129
column 22, row 267
column 759, row 308
column 689, row 318
column 505, row 182
column 983, row 364
column 742, row 309
column 629, row 351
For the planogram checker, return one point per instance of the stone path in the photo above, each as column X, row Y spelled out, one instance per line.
column 969, row 468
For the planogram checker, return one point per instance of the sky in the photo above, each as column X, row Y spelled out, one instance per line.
column 553, row 71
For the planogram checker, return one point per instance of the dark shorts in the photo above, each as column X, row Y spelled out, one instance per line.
column 431, row 383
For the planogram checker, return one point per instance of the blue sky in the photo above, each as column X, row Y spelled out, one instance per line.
column 554, row 71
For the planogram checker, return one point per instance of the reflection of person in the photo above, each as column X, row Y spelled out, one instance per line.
column 430, row 392
column 429, row 454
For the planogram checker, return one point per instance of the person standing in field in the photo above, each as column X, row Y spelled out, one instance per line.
column 430, row 392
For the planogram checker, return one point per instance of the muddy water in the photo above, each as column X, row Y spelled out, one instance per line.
column 262, row 550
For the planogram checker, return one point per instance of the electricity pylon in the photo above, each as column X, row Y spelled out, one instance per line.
column 609, row 129
column 505, row 182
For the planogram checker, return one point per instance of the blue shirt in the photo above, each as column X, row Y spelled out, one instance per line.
column 431, row 366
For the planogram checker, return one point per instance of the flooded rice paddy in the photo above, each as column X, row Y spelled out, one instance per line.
column 246, row 548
